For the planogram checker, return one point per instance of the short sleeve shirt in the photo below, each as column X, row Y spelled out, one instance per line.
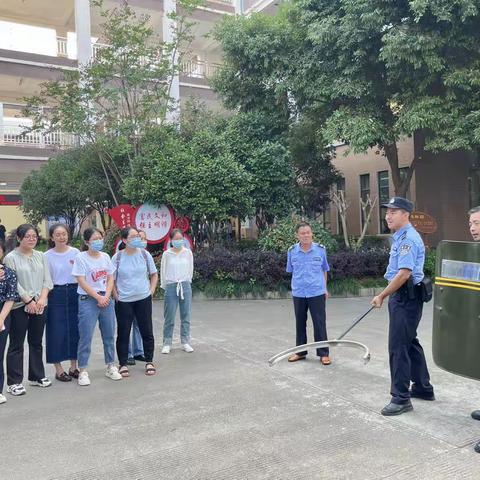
column 407, row 252
column 308, row 270
column 8, row 285
column 132, row 274
column 95, row 271
column 61, row 265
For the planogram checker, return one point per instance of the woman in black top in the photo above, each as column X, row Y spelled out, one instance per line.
column 8, row 293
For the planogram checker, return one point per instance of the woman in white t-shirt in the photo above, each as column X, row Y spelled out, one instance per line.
column 176, row 273
column 61, row 332
column 94, row 272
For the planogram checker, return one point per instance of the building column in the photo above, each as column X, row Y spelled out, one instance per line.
column 168, row 28
column 1, row 123
column 239, row 7
column 83, row 31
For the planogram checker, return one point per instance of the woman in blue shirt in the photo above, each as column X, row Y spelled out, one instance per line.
column 136, row 279
column 8, row 294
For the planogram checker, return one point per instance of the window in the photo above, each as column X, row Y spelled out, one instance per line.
column 364, row 192
column 403, row 174
column 383, row 197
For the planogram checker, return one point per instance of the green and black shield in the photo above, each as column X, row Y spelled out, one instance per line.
column 456, row 315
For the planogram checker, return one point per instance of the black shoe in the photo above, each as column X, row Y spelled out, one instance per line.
column 140, row 358
column 131, row 361
column 476, row 414
column 396, row 409
column 423, row 396
column 477, row 447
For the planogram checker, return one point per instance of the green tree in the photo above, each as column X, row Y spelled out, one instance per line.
column 53, row 191
column 197, row 177
column 70, row 185
column 370, row 72
column 112, row 102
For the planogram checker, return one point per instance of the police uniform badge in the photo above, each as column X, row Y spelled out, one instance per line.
column 405, row 249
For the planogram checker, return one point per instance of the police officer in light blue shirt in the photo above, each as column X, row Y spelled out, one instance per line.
column 408, row 367
column 307, row 262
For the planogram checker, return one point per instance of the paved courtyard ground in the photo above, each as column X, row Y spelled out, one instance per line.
column 221, row 413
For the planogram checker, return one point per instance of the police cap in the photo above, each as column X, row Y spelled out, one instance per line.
column 399, row 202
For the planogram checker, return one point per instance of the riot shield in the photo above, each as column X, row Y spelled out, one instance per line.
column 456, row 314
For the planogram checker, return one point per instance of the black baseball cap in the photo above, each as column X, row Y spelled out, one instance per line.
column 399, row 202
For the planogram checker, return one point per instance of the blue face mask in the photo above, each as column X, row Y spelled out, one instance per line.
column 136, row 243
column 177, row 243
column 97, row 245
column 144, row 244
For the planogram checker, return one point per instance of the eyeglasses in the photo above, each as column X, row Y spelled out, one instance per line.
column 30, row 237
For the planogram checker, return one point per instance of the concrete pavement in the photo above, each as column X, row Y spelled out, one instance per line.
column 222, row 413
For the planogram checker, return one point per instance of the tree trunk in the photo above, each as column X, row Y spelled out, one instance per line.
column 400, row 185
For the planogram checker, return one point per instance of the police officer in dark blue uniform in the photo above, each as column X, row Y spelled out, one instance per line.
column 307, row 262
column 474, row 226
column 405, row 277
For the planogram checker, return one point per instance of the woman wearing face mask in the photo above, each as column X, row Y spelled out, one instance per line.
column 176, row 279
column 62, row 316
column 135, row 346
column 28, row 314
column 8, row 294
column 94, row 272
column 136, row 279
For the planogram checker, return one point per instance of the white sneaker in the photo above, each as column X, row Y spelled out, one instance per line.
column 83, row 379
column 187, row 348
column 112, row 373
column 166, row 349
column 16, row 389
column 44, row 382
column 3, row 398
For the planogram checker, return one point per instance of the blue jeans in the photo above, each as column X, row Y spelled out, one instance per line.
column 135, row 346
column 88, row 314
column 170, row 304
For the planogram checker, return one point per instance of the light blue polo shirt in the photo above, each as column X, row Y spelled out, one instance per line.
column 307, row 269
column 408, row 251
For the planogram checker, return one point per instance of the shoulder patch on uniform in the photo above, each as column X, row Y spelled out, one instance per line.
column 405, row 249
column 320, row 245
column 404, row 236
column 290, row 248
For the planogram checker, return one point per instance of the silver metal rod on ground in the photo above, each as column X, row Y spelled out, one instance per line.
column 355, row 323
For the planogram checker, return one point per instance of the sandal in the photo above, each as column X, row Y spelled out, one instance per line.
column 74, row 374
column 63, row 377
column 150, row 369
column 325, row 361
column 123, row 371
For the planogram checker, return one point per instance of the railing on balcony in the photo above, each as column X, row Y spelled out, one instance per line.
column 17, row 136
column 199, row 68
column 62, row 49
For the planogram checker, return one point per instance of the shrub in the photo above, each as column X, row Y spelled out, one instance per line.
column 267, row 268
column 282, row 236
column 365, row 263
column 430, row 259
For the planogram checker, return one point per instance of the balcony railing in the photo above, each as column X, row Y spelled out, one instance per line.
column 17, row 136
column 199, row 68
column 62, row 49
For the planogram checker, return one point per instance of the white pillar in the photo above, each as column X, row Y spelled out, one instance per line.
column 238, row 7
column 1, row 123
column 83, row 31
column 168, row 27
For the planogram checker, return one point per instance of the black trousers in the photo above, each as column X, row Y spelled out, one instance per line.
column 24, row 324
column 407, row 359
column 316, row 305
column 3, row 344
column 126, row 312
